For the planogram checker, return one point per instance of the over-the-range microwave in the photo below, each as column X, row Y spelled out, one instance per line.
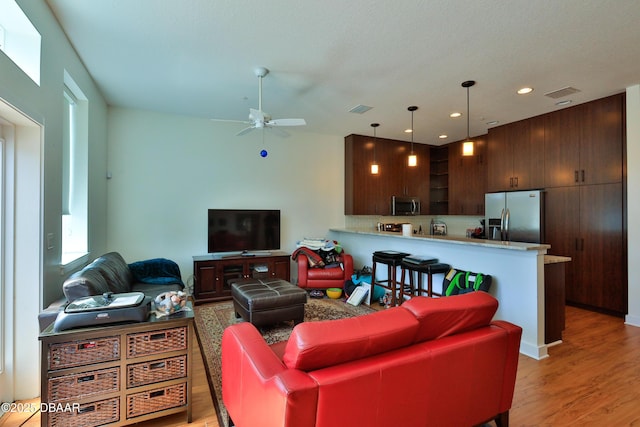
column 405, row 205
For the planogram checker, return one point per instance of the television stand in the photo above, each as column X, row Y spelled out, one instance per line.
column 213, row 274
column 256, row 253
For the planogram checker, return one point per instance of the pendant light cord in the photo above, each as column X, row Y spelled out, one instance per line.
column 468, row 136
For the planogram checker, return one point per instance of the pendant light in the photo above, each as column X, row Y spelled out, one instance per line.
column 467, row 145
column 375, row 169
column 413, row 159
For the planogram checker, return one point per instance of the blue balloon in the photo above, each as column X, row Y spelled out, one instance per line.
column 264, row 153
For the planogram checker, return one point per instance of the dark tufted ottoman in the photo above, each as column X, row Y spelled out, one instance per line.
column 265, row 302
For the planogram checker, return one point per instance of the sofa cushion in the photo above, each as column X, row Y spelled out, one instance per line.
column 88, row 281
column 440, row 317
column 115, row 271
column 315, row 345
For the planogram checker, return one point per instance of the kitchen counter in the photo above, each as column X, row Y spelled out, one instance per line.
column 555, row 259
column 518, row 271
column 456, row 240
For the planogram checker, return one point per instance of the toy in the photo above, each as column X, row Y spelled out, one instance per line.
column 170, row 302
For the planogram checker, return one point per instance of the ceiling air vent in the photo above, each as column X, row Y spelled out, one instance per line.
column 565, row 91
column 360, row 109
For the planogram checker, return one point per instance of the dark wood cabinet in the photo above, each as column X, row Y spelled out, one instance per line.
column 213, row 274
column 118, row 374
column 586, row 224
column 584, row 144
column 365, row 192
column 516, row 156
column 369, row 194
column 467, row 178
column 554, row 301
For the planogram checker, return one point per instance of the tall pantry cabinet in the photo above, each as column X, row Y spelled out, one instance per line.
column 585, row 200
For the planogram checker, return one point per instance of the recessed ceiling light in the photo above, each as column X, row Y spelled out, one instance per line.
column 408, row 130
column 455, row 115
column 525, row 90
column 492, row 123
column 565, row 102
column 443, row 136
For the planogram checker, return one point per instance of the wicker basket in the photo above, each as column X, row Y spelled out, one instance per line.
column 146, row 343
column 156, row 400
column 83, row 352
column 156, row 371
column 89, row 414
column 82, row 385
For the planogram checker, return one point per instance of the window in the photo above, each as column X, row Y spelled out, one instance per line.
column 19, row 39
column 74, row 172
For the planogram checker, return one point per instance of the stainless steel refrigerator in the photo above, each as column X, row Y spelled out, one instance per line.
column 516, row 216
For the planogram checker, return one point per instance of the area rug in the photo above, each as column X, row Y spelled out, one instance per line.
column 212, row 319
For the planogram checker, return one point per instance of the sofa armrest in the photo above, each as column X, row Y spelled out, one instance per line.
column 303, row 269
column 514, row 334
column 257, row 389
column 347, row 263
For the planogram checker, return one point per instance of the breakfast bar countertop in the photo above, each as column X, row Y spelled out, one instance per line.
column 460, row 240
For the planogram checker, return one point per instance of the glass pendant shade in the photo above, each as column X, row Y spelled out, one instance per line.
column 412, row 160
column 467, row 148
column 375, row 169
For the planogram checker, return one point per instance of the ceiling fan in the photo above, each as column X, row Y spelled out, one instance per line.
column 258, row 119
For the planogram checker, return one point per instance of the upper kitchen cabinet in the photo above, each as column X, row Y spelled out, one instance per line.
column 583, row 144
column 515, row 156
column 369, row 194
column 467, row 178
column 411, row 180
column 364, row 193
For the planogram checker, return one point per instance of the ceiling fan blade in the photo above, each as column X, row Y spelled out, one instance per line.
column 231, row 121
column 287, row 122
column 279, row 132
column 245, row 131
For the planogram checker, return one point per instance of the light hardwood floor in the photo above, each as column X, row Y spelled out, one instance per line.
column 591, row 379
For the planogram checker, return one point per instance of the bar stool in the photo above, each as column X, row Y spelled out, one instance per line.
column 420, row 269
column 392, row 260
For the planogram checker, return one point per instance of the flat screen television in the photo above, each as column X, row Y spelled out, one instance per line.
column 243, row 230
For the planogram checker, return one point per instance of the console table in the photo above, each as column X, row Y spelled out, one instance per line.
column 117, row 375
column 213, row 273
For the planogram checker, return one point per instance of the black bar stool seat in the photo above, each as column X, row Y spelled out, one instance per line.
column 392, row 260
column 420, row 269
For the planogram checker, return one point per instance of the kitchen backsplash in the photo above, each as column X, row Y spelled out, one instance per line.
column 457, row 225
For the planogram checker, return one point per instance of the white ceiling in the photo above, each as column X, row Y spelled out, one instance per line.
column 197, row 58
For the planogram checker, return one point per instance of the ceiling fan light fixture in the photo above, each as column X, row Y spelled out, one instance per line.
column 412, row 160
column 375, row 169
column 467, row 146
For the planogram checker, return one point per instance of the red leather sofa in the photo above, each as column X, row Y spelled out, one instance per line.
column 324, row 278
column 428, row 362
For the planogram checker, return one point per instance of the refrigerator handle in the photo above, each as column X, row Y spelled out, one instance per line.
column 502, row 225
column 507, row 215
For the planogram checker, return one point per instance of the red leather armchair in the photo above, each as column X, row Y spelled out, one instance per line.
column 323, row 278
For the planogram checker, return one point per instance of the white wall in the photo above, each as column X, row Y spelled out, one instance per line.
column 37, row 275
column 168, row 170
column 633, row 202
